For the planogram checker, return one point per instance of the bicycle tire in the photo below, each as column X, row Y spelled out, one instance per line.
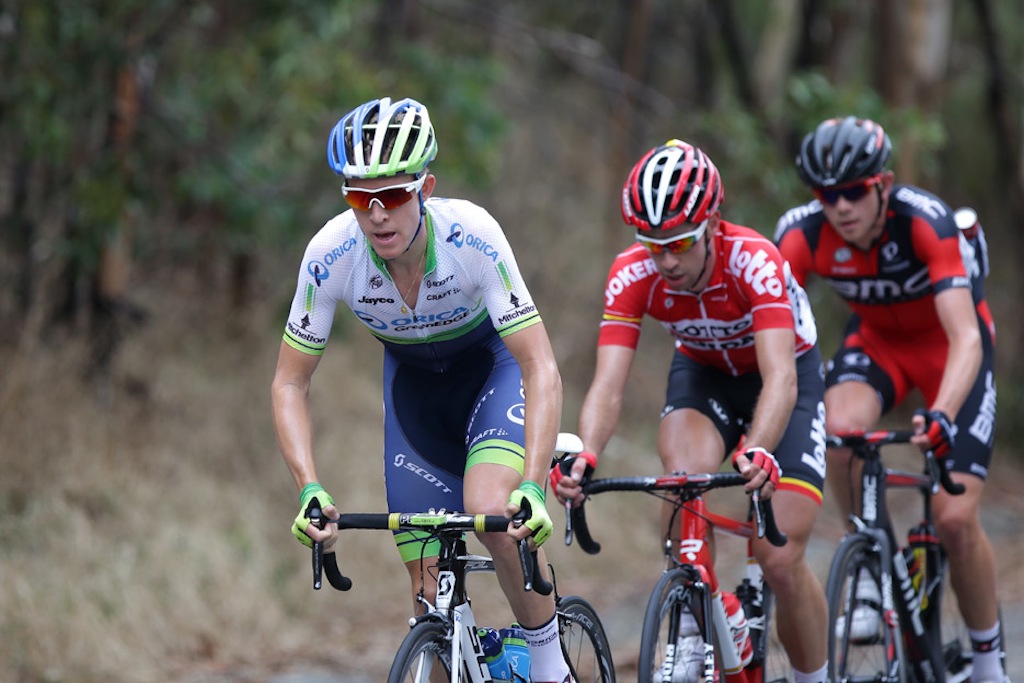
column 776, row 667
column 877, row 658
column 671, row 596
column 425, row 647
column 584, row 643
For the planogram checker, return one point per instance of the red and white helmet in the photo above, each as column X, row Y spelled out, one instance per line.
column 673, row 183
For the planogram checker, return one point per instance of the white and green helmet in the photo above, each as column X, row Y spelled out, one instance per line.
column 382, row 138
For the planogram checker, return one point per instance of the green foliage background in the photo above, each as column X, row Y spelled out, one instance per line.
column 143, row 505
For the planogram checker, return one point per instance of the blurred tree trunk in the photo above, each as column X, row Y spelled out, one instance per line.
column 771, row 66
column 1009, row 142
column 914, row 58
column 1009, row 178
column 635, row 50
column 111, row 308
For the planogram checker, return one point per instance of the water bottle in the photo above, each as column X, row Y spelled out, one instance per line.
column 494, row 654
column 923, row 542
column 738, row 627
column 514, row 640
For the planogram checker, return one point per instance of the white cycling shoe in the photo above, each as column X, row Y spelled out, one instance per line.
column 865, row 626
column 687, row 657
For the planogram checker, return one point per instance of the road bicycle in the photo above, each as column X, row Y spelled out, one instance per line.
column 912, row 635
column 690, row 585
column 442, row 644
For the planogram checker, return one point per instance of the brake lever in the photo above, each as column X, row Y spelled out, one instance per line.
column 316, row 519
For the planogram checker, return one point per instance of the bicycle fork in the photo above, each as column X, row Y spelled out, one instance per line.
column 923, row 649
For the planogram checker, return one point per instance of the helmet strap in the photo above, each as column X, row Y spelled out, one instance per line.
column 878, row 215
column 878, row 190
column 707, row 257
column 423, row 213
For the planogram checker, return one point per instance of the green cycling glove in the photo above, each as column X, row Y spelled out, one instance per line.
column 529, row 496
column 313, row 495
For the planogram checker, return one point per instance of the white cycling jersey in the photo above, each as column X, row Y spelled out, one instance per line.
column 471, row 291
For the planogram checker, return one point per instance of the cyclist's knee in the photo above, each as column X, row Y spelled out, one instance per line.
column 498, row 543
column 787, row 577
column 959, row 528
column 780, row 564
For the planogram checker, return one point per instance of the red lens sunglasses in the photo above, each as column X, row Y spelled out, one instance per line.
column 851, row 193
column 390, row 197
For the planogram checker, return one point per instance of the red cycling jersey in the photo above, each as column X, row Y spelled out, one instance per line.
column 750, row 289
column 891, row 287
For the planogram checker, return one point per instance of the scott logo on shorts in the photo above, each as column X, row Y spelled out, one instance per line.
column 403, row 463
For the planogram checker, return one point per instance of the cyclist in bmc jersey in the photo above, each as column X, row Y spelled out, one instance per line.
column 472, row 393
column 747, row 379
column 913, row 282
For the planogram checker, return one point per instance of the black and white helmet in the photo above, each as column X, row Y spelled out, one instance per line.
column 842, row 151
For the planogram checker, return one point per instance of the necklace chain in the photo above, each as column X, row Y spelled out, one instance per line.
column 416, row 278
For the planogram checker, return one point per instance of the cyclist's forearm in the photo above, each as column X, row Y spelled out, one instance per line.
column 963, row 359
column 772, row 411
column 543, row 394
column 962, row 364
column 294, row 427
column 599, row 418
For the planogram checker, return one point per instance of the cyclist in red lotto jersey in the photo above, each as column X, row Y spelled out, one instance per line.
column 747, row 368
column 913, row 281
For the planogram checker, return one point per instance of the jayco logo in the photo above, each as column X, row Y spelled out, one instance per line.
column 756, row 270
column 374, row 300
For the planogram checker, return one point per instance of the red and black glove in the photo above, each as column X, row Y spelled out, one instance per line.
column 564, row 466
column 763, row 459
column 939, row 430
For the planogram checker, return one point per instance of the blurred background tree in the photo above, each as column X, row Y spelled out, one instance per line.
column 187, row 133
column 162, row 168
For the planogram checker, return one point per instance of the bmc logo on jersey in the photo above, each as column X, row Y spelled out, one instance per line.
column 756, row 269
column 883, row 291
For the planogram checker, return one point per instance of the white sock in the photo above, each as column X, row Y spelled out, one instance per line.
column 818, row 676
column 546, row 662
column 986, row 650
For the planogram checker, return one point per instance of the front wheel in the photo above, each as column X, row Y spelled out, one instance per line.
column 671, row 647
column 424, row 656
column 864, row 642
column 584, row 643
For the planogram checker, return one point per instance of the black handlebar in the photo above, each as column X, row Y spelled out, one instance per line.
column 764, row 515
column 863, row 443
column 327, row 563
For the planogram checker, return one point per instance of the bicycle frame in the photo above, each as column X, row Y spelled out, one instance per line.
column 452, row 607
column 695, row 524
column 916, row 608
column 692, row 557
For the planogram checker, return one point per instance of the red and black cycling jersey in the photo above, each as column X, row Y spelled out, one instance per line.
column 892, row 285
column 750, row 289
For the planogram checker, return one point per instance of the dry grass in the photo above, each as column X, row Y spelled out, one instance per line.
column 144, row 520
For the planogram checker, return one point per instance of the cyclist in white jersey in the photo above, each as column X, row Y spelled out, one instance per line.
column 472, row 393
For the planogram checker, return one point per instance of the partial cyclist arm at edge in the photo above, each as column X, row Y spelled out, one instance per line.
column 293, row 422
column 955, row 308
column 777, row 366
column 960, row 323
column 542, row 386
column 599, row 414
